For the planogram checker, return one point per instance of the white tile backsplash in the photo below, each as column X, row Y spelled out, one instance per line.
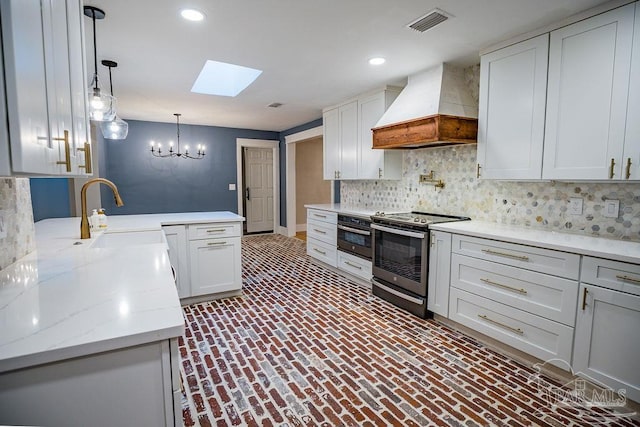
column 15, row 202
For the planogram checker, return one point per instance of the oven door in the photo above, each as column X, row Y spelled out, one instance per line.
column 355, row 241
column 400, row 257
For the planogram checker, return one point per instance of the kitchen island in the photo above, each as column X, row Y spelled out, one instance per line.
column 89, row 327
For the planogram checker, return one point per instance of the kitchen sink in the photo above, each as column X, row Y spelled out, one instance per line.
column 123, row 239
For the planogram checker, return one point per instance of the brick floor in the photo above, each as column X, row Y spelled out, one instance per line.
column 307, row 347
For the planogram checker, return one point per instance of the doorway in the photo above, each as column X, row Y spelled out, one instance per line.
column 258, row 184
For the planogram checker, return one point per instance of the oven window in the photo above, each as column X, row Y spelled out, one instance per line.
column 399, row 255
column 353, row 238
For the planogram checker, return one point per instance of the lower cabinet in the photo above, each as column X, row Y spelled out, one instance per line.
column 176, row 236
column 215, row 265
column 358, row 267
column 439, row 273
column 322, row 237
column 134, row 386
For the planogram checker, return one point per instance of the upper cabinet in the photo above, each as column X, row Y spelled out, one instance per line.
column 570, row 117
column 43, row 56
column 348, row 140
column 589, row 64
column 513, row 92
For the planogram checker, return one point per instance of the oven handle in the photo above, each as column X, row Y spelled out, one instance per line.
column 397, row 231
column 354, row 230
column 397, row 293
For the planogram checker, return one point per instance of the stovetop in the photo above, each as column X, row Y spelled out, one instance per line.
column 415, row 219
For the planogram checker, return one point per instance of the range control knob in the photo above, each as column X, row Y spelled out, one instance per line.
column 424, row 221
column 416, row 219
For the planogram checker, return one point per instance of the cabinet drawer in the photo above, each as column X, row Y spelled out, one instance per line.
column 356, row 266
column 322, row 231
column 532, row 334
column 323, row 216
column 537, row 259
column 322, row 251
column 551, row 297
column 616, row 275
column 212, row 231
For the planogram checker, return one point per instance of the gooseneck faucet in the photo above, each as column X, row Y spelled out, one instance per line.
column 85, row 233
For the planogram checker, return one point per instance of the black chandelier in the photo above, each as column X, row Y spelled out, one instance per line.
column 156, row 149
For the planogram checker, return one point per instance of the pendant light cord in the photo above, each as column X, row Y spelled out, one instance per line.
column 95, row 50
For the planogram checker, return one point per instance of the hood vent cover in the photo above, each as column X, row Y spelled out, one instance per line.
column 430, row 20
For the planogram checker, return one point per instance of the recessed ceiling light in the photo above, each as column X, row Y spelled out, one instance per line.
column 377, row 61
column 192, row 15
column 220, row 78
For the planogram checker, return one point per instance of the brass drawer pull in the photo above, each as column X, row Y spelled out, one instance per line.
column 500, row 285
column 628, row 279
column 216, row 243
column 216, row 230
column 87, row 158
column 502, row 325
column 319, row 251
column 319, row 231
column 353, row 265
column 520, row 257
column 379, row 172
column 584, row 298
column 478, row 171
column 67, row 151
column 611, row 168
column 628, row 174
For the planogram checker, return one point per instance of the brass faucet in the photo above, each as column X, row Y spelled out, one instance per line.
column 85, row 233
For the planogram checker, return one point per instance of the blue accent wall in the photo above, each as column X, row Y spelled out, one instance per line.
column 151, row 185
column 50, row 198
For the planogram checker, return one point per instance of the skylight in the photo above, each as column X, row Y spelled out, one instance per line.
column 220, row 78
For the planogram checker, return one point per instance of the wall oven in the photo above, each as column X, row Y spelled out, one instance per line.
column 354, row 235
column 401, row 258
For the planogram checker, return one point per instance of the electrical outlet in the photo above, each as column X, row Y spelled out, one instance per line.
column 575, row 206
column 3, row 224
column 232, row 187
column 611, row 208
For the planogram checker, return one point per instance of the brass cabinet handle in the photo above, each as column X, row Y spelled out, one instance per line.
column 319, row 251
column 628, row 174
column 584, row 298
column 319, row 231
column 611, row 172
column 379, row 172
column 353, row 265
column 500, row 285
column 478, row 171
column 502, row 325
column 433, row 240
column 67, row 151
column 216, row 243
column 335, row 174
column 520, row 257
column 87, row 158
column 627, row 279
column 216, row 230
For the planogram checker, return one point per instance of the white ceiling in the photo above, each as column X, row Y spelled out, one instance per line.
column 313, row 52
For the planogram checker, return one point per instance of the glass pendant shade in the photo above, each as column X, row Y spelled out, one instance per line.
column 115, row 129
column 102, row 107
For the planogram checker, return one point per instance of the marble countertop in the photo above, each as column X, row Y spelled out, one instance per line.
column 342, row 209
column 619, row 250
column 68, row 299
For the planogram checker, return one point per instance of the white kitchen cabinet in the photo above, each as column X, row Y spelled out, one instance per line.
column 340, row 141
column 176, row 236
column 513, row 88
column 607, row 343
column 588, row 88
column 439, row 273
column 133, row 386
column 356, row 266
column 322, row 236
column 631, row 155
column 45, row 87
column 331, row 143
column 376, row 164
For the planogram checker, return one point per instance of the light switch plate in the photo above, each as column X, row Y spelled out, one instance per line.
column 611, row 208
column 232, row 187
column 3, row 224
column 575, row 206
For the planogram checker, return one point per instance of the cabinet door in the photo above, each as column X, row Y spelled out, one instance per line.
column 513, row 88
column 32, row 150
column 587, row 94
column 631, row 156
column 439, row 273
column 331, row 143
column 606, row 339
column 176, row 236
column 349, row 141
column 215, row 265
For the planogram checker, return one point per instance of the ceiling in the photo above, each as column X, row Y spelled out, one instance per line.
column 313, row 53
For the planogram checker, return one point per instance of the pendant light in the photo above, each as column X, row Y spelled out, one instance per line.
column 117, row 128
column 156, row 149
column 102, row 107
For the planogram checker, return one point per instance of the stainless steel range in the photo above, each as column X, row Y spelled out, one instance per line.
column 401, row 257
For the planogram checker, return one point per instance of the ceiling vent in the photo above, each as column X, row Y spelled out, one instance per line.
column 430, row 20
column 275, row 105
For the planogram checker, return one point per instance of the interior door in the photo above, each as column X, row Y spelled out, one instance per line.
column 258, row 189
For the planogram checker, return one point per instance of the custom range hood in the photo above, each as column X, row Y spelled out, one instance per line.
column 434, row 109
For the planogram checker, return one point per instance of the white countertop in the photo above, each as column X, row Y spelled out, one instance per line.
column 342, row 209
column 68, row 300
column 619, row 250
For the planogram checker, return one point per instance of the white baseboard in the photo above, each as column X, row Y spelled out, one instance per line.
column 285, row 231
column 301, row 227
